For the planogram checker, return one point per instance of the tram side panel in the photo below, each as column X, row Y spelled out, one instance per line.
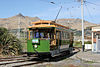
column 66, row 42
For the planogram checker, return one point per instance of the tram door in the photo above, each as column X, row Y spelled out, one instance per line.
column 58, row 39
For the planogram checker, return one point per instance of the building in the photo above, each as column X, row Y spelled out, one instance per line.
column 96, row 38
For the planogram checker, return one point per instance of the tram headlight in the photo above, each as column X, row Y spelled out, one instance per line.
column 35, row 46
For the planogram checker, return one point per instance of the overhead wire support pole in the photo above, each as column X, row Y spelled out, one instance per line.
column 82, row 15
column 19, row 28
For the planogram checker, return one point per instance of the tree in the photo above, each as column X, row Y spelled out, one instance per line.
column 9, row 44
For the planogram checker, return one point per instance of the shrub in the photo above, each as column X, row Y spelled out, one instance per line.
column 88, row 42
column 77, row 44
column 9, row 44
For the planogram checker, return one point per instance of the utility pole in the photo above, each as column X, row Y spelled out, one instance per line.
column 82, row 15
column 18, row 28
column 7, row 25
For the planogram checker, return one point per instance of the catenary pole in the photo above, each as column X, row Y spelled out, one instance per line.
column 19, row 28
column 82, row 15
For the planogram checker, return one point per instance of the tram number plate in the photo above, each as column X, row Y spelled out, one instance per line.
column 35, row 41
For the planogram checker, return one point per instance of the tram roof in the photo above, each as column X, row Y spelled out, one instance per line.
column 44, row 23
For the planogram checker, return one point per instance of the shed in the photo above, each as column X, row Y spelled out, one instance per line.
column 96, row 38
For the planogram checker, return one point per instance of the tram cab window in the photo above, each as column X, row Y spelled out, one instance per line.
column 36, row 34
column 42, row 33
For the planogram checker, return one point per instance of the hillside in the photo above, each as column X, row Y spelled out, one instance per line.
column 12, row 22
column 75, row 23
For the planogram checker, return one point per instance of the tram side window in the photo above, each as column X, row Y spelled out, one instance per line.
column 51, row 35
column 67, row 35
column 62, row 35
column 57, row 35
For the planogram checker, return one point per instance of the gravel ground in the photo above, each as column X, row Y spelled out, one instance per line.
column 68, row 61
column 64, row 61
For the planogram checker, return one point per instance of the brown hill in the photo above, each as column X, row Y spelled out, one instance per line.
column 13, row 22
column 25, row 21
column 75, row 23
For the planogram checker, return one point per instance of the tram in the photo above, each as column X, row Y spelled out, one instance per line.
column 49, row 38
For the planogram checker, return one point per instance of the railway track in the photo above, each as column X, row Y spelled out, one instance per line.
column 28, row 64
column 26, row 61
column 19, row 61
column 77, row 48
column 11, row 58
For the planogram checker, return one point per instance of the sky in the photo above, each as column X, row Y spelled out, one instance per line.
column 46, row 10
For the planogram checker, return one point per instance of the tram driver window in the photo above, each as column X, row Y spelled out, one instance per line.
column 36, row 34
column 41, row 34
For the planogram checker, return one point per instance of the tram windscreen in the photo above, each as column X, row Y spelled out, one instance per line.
column 43, row 33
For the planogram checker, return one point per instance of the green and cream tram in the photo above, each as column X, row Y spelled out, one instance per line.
column 48, row 38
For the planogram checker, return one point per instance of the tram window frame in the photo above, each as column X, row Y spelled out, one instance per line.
column 31, row 34
column 57, row 35
column 67, row 35
column 64, row 35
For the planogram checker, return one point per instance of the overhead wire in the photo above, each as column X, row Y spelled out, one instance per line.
column 88, row 12
column 44, row 1
column 51, row 2
column 64, row 2
column 91, row 3
column 70, row 13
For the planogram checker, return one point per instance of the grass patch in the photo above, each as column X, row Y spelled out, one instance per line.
column 90, row 62
column 77, row 44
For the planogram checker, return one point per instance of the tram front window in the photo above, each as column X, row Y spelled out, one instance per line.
column 36, row 34
column 42, row 34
